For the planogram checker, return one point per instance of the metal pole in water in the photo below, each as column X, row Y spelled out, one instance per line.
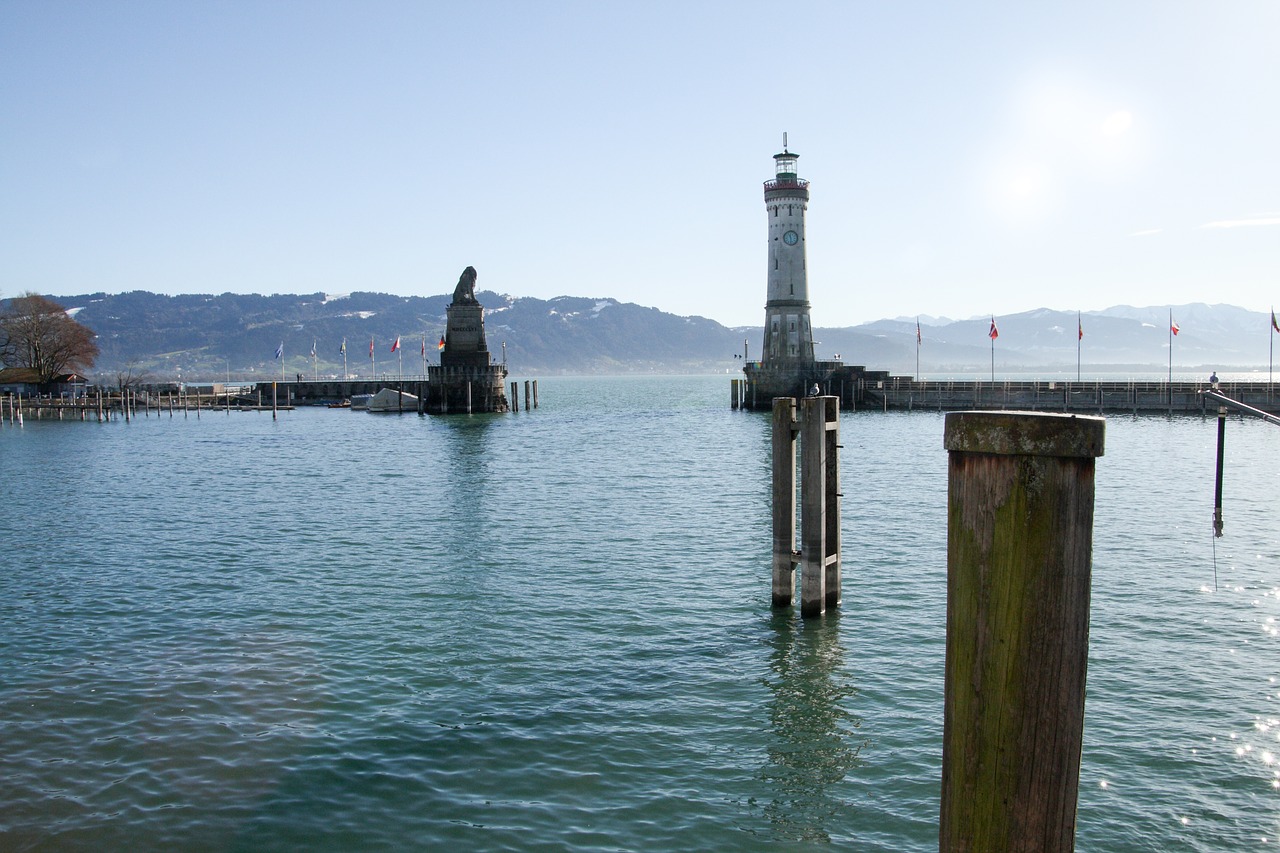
column 1217, row 487
column 1019, row 553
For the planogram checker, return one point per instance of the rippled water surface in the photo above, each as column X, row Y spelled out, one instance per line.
column 551, row 630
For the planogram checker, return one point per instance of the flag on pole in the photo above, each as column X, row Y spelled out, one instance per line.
column 280, row 350
column 343, row 349
column 1079, row 329
column 371, row 346
column 441, row 344
column 1274, row 324
column 395, row 346
column 1174, row 327
column 917, row 331
column 424, row 346
column 313, row 347
column 994, row 332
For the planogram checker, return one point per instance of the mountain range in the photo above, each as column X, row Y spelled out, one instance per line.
column 212, row 336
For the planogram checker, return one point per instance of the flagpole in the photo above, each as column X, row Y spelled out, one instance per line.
column 374, row 359
column 1079, row 337
column 1170, row 356
column 993, row 348
column 917, row 348
column 344, row 359
column 315, row 365
column 281, row 362
column 424, row 356
column 1271, row 347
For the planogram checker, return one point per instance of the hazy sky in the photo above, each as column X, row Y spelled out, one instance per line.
column 964, row 158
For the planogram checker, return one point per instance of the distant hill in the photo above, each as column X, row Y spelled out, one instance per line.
column 207, row 337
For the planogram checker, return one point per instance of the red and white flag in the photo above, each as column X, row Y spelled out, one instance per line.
column 1173, row 327
column 395, row 346
column 1274, row 324
column 994, row 333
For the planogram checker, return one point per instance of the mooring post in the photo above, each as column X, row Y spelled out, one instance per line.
column 527, row 393
column 515, row 397
column 274, row 399
column 535, row 393
column 785, row 557
column 1019, row 553
column 819, row 504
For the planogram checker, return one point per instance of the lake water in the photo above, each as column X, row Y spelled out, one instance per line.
column 551, row 630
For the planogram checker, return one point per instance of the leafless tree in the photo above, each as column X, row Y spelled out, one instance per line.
column 36, row 332
column 131, row 376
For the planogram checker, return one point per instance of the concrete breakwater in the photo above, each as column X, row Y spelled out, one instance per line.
column 903, row 393
column 1151, row 397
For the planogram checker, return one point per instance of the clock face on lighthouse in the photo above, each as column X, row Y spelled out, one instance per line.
column 790, row 238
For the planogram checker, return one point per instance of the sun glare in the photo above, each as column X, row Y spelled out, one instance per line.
column 1117, row 123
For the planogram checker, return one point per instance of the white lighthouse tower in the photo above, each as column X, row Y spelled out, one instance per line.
column 788, row 337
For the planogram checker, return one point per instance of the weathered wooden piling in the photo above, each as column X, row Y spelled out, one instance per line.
column 819, row 504
column 819, row 556
column 515, row 396
column 785, row 556
column 1019, row 553
column 527, row 395
column 274, row 404
column 535, row 393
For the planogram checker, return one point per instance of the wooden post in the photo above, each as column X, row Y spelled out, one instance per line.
column 515, row 397
column 1019, row 554
column 819, row 504
column 469, row 396
column 535, row 393
column 274, row 403
column 733, row 393
column 526, row 395
column 785, row 557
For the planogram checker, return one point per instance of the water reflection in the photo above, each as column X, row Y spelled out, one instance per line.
column 467, row 461
column 815, row 742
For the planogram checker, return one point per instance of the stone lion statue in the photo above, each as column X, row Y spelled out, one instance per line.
column 465, row 292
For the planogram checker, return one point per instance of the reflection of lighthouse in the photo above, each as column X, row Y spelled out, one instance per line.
column 788, row 338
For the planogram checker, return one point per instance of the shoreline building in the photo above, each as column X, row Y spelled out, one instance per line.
column 788, row 366
column 466, row 379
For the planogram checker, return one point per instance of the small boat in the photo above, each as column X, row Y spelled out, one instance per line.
column 360, row 401
column 341, row 404
column 389, row 400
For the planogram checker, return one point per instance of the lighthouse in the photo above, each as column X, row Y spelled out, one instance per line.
column 788, row 366
column 788, row 336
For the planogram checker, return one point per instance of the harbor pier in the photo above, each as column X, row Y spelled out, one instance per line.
column 905, row 393
column 858, row 388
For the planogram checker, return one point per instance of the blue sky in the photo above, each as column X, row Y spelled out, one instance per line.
column 964, row 159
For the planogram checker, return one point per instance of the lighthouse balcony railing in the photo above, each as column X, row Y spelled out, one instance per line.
column 785, row 184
